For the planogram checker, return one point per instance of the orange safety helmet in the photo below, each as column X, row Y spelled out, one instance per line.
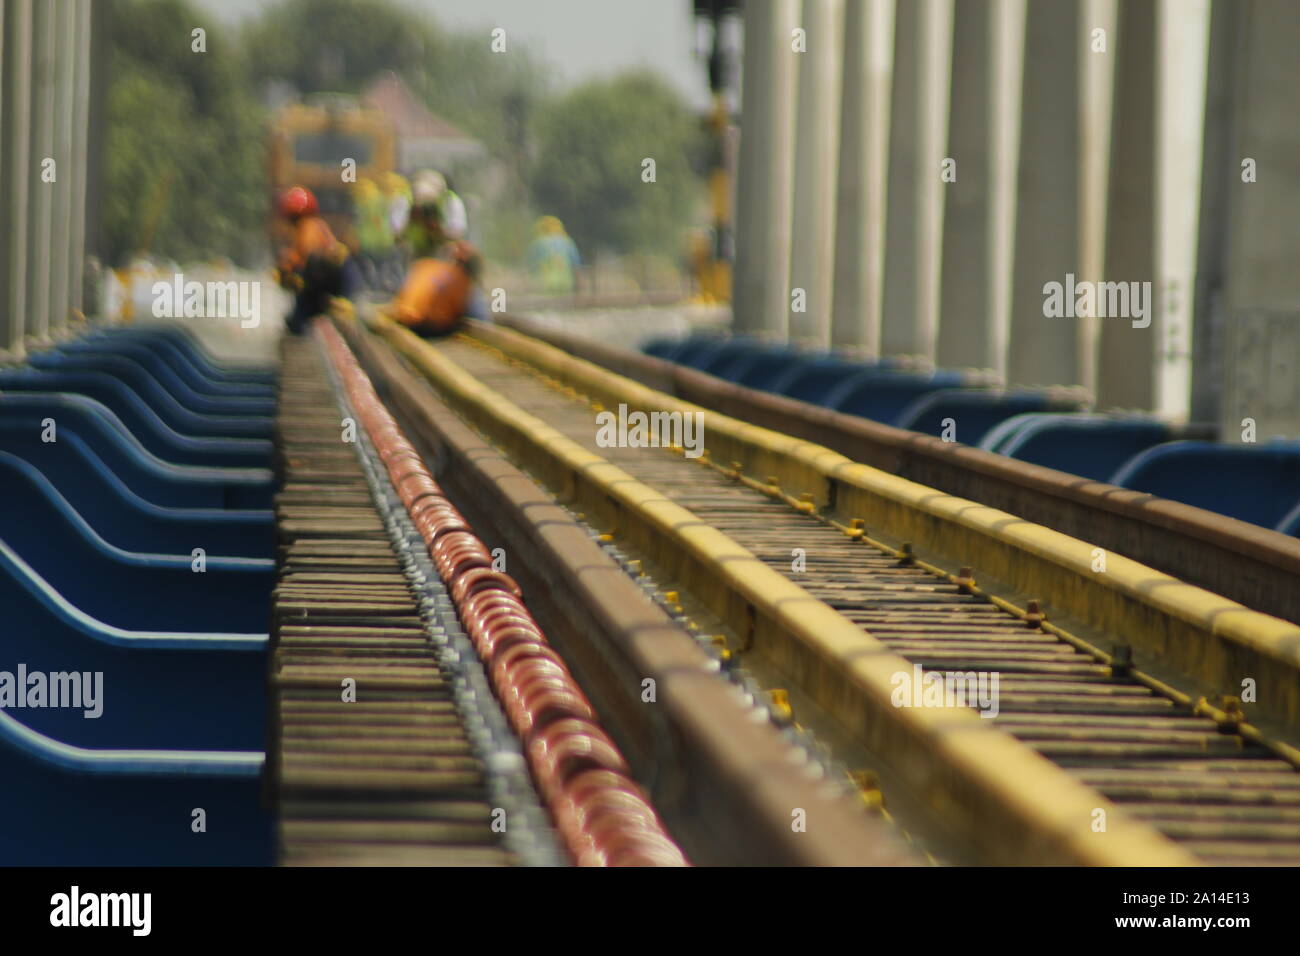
column 298, row 201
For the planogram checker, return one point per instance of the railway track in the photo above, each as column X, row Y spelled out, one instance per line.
column 373, row 759
column 1091, row 753
column 1243, row 562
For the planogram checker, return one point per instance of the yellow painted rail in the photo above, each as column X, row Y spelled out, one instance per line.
column 1219, row 644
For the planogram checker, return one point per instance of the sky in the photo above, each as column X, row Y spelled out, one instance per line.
column 581, row 39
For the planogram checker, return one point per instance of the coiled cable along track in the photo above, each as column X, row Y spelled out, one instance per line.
column 390, row 746
column 1197, row 774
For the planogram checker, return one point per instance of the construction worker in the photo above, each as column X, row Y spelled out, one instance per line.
column 553, row 257
column 374, row 237
column 437, row 291
column 398, row 193
column 422, row 235
column 437, row 215
column 315, row 266
column 455, row 221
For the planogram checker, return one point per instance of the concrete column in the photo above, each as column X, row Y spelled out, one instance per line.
column 14, row 184
column 860, row 184
column 40, row 193
column 1096, row 90
column 1219, row 165
column 765, row 179
column 812, row 257
column 965, row 307
column 1043, row 350
column 1008, row 57
column 65, row 38
column 80, row 143
column 1262, row 281
column 917, row 137
column 101, row 18
column 1182, row 34
column 1126, row 364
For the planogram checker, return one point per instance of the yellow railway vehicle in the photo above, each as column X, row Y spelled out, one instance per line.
column 311, row 144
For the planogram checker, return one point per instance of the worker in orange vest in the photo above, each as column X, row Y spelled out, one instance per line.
column 437, row 292
column 315, row 266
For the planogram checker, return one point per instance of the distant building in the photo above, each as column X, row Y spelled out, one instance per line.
column 424, row 141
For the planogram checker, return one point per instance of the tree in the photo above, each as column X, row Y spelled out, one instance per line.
column 350, row 42
column 184, row 172
column 591, row 170
column 337, row 45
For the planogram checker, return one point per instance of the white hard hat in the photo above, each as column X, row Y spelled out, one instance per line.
column 428, row 187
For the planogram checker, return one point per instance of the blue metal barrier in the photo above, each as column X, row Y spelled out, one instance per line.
column 24, row 418
column 1255, row 483
column 882, row 394
column 129, row 589
column 170, row 396
column 743, row 357
column 1091, row 446
column 89, row 807
column 661, row 348
column 1290, row 523
column 159, row 689
column 142, row 420
column 171, row 365
column 974, row 411
column 125, row 519
column 764, row 369
column 814, row 380
column 178, row 340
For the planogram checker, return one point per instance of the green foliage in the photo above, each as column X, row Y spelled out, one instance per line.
column 337, row 45
column 184, row 171
column 589, row 164
column 350, row 42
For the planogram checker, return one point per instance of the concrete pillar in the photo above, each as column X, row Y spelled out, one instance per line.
column 1128, row 347
column 965, row 303
column 860, row 184
column 14, row 184
column 1043, row 350
column 80, row 150
column 65, row 38
column 41, row 193
column 917, row 140
column 1096, row 90
column 765, row 179
column 101, row 18
column 1219, row 166
column 1262, row 281
column 1182, row 34
column 812, row 257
